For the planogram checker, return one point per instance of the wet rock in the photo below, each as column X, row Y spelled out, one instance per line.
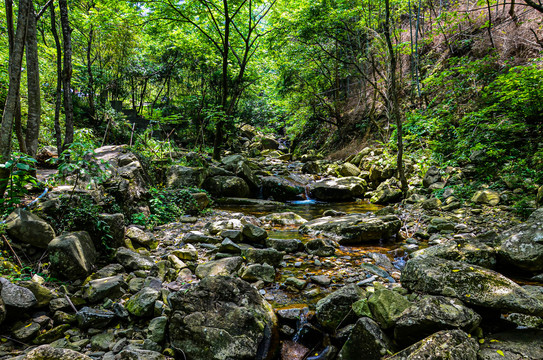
column 142, row 304
column 28, row 228
column 198, row 237
column 94, row 318
column 226, row 266
column 522, row 246
column 100, row 289
column 342, row 189
column 513, row 345
column 227, row 186
column 222, row 318
column 185, row 177
column 291, row 350
column 133, row 261
column 366, row 341
column 286, row 245
column 46, row 352
column 336, row 309
column 284, row 219
column 253, row 234
column 72, row 255
column 295, row 282
column 321, row 247
column 281, row 189
column 387, row 306
column 432, row 314
column 251, row 202
column 354, row 228
column 257, row 272
column 16, row 297
column 486, row 197
column 453, row 344
column 432, row 176
column 263, row 256
column 321, row 280
column 473, row 284
column 465, row 250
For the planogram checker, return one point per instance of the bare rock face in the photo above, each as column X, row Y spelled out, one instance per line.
column 222, row 318
column 473, row 284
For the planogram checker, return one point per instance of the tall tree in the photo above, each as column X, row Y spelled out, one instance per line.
column 15, row 63
column 33, row 79
column 67, row 73
column 58, row 94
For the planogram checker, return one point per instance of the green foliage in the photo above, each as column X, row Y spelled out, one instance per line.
column 21, row 178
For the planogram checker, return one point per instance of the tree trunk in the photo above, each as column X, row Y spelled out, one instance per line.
column 58, row 97
column 15, row 63
column 33, row 79
column 393, row 105
column 67, row 73
column 92, row 107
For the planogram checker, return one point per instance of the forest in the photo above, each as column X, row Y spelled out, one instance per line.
column 271, row 179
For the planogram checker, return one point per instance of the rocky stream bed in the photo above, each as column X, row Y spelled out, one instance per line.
column 295, row 276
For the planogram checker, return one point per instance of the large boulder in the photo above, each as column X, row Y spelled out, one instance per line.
column 387, row 192
column 387, row 306
column 281, row 189
column 522, row 246
column 28, row 228
column 16, row 298
column 336, row 308
column 227, row 186
column 444, row 345
column 431, row 177
column 367, row 341
column 222, row 267
column 283, row 219
column 354, row 228
column 47, row 352
column 431, row 314
column 133, row 261
column 520, row 344
column 342, row 189
column 486, row 197
column 222, row 318
column 468, row 250
column 3, row 312
column 183, row 177
column 72, row 255
column 472, row 284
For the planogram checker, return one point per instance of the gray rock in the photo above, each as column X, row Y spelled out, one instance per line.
column 366, row 341
column 354, row 228
column 257, row 272
column 472, row 284
column 46, row 352
column 486, row 197
column 468, row 250
column 72, row 255
column 100, row 289
column 116, row 229
column 253, row 234
column 16, row 297
column 183, row 177
column 522, row 246
column 286, row 245
column 157, row 329
column 263, row 256
column 268, row 143
column 102, row 342
column 227, row 186
column 387, row 192
column 222, row 318
column 387, row 306
column 432, row 314
column 321, row 280
column 432, row 176
column 283, row 219
column 28, row 228
column 336, row 309
column 321, row 247
column 26, row 332
column 342, row 189
column 281, row 189
column 132, row 260
column 226, row 266
column 198, row 237
column 142, row 304
column 139, row 236
column 229, row 247
column 311, row 167
column 513, row 345
column 94, row 318
column 3, row 312
column 443, row 345
column 139, row 354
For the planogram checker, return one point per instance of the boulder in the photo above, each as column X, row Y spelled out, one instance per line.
column 387, row 306
column 185, row 177
column 116, row 229
column 311, row 167
column 28, row 228
column 354, row 228
column 336, row 309
column 139, row 236
column 47, row 352
column 321, row 247
column 522, row 246
column 519, row 344
column 222, row 267
column 142, row 304
column 348, row 169
column 387, row 192
column 472, row 284
column 432, row 176
column 268, row 143
column 227, row 186
column 342, row 189
column 99, row 289
column 263, row 256
column 257, row 272
column 43, row 295
column 443, row 345
column 254, row 234
column 366, row 341
column 486, row 197
column 16, row 298
column 281, row 189
column 469, row 250
column 3, row 312
column 432, row 314
column 72, row 256
column 139, row 354
column 133, row 261
column 283, row 219
column 94, row 318
column 286, row 245
column 198, row 237
column 222, row 318
column 540, row 196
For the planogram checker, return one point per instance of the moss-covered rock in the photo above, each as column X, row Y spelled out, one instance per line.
column 342, row 189
column 336, row 309
column 29, row 228
column 387, row 306
column 468, row 250
column 72, row 255
column 367, row 341
column 514, row 345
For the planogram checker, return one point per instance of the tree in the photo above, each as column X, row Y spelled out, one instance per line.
column 33, row 79
column 67, row 73
column 15, row 63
